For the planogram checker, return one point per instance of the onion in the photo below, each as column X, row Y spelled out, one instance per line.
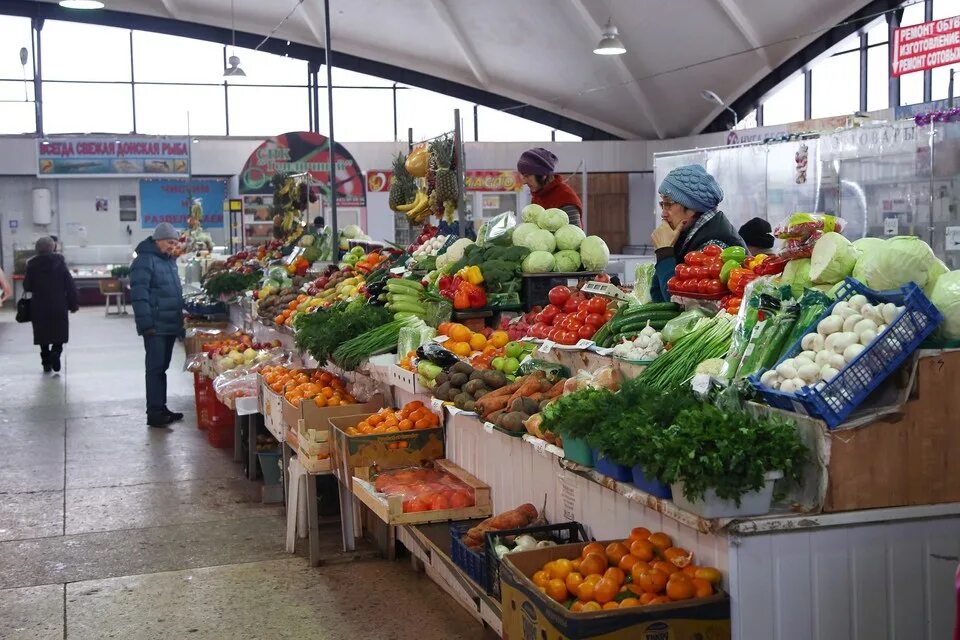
column 844, row 340
column 812, row 342
column 850, row 322
column 830, row 325
column 786, row 370
column 889, row 312
column 852, row 351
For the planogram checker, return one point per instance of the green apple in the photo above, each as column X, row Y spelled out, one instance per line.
column 513, row 350
column 498, row 363
column 511, row 365
column 358, row 251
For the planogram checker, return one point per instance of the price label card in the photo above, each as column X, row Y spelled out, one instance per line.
column 584, row 344
column 951, row 238
column 488, row 427
column 441, row 339
column 572, row 283
column 398, row 270
column 568, row 498
column 436, row 404
column 546, row 347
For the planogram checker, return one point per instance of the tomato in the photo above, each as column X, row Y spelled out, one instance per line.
column 607, row 315
column 703, row 285
column 716, row 287
column 682, row 271
column 595, row 320
column 569, row 337
column 586, row 332
column 548, row 314
column 581, row 315
column 713, row 271
column 557, row 319
column 573, row 323
column 712, row 250
column 559, row 295
column 597, row 305
column 674, row 283
column 555, row 333
column 571, row 305
column 583, row 306
column 695, row 258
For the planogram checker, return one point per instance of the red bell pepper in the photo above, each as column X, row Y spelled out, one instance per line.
column 461, row 299
column 771, row 266
column 476, row 294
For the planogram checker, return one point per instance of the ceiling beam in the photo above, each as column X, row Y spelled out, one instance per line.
column 593, row 29
column 312, row 21
column 172, row 8
column 471, row 57
column 744, row 26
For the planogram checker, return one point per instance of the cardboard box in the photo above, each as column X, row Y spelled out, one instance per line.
column 386, row 450
column 406, row 380
column 529, row 614
column 199, row 336
column 390, row 508
column 272, row 411
column 315, row 417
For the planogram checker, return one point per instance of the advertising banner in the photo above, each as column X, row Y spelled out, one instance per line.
column 478, row 180
column 169, row 201
column 925, row 46
column 105, row 156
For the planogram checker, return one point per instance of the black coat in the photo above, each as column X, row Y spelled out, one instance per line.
column 54, row 295
column 155, row 291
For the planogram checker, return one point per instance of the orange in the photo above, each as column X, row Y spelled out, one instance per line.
column 573, row 581
column 593, row 547
column 576, row 607
column 661, row 600
column 320, row 401
column 646, row 598
column 593, row 563
column 661, row 540
column 690, row 570
column 629, row 602
column 612, row 605
column 444, row 328
column 405, row 425
column 634, row 589
column 327, row 392
column 627, row 562
column 616, row 574
column 615, row 551
column 576, row 564
column 709, row 574
column 585, row 591
column 499, row 339
column 541, row 578
column 459, row 333
column 653, row 581
column 680, row 588
column 702, row 588
column 639, row 533
column 678, row 556
column 478, row 342
column 333, row 402
column 642, row 550
column 590, row 607
column 459, row 348
column 605, row 590
column 667, row 567
column 561, row 569
column 557, row 590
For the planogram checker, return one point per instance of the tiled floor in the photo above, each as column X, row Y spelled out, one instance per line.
column 109, row 529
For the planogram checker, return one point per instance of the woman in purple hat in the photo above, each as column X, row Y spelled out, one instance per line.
column 547, row 189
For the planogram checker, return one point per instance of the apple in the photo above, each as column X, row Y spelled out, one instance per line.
column 510, row 366
column 513, row 350
column 498, row 363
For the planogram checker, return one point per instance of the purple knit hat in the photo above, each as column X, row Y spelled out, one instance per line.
column 537, row 162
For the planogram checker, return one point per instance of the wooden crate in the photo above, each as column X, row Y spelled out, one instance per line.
column 315, row 417
column 390, row 508
column 386, row 450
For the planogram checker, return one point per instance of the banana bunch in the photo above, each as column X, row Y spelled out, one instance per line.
column 419, row 209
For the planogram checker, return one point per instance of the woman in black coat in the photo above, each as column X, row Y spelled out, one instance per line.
column 52, row 294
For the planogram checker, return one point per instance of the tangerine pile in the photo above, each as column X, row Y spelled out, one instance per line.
column 645, row 569
column 414, row 415
column 283, row 318
column 464, row 342
column 324, row 388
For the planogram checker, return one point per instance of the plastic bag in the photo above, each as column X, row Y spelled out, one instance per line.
column 802, row 230
column 760, row 296
column 234, row 384
column 554, row 371
column 498, row 230
column 438, row 312
column 767, row 340
column 644, row 274
column 412, row 337
column 813, row 304
column 683, row 324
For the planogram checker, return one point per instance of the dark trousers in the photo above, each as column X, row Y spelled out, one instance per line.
column 47, row 350
column 159, row 350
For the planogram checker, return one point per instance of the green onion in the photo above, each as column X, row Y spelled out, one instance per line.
column 710, row 339
column 383, row 339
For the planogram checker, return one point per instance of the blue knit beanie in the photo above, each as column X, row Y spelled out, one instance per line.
column 693, row 188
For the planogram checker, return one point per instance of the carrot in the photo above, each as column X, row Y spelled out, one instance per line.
column 556, row 390
column 504, row 391
column 531, row 385
column 487, row 405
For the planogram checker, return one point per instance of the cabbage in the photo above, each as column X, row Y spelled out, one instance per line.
column 900, row 260
column 569, row 236
column 352, row 232
column 553, row 219
column 938, row 269
column 539, row 262
column 833, row 259
column 797, row 275
column 522, row 231
column 539, row 240
column 867, row 245
column 453, row 253
column 946, row 297
column 567, row 260
column 594, row 253
column 531, row 213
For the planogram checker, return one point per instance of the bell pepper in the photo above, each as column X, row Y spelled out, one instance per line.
column 771, row 266
column 728, row 268
column 739, row 278
column 476, row 294
column 755, row 261
column 734, row 253
column 471, row 274
column 461, row 299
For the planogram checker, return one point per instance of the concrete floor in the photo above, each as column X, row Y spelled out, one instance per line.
column 109, row 529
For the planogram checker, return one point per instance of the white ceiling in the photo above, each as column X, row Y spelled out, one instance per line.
column 540, row 51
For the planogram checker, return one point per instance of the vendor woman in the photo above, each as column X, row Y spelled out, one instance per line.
column 547, row 189
column 690, row 220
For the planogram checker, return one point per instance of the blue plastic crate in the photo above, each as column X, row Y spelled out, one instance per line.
column 473, row 563
column 562, row 533
column 651, row 485
column 838, row 398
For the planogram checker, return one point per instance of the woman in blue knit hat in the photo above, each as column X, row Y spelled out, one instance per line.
column 689, row 197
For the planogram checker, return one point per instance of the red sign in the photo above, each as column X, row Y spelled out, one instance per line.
column 924, row 46
column 479, row 180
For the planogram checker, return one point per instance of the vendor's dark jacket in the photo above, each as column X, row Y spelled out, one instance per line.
column 155, row 291
column 713, row 229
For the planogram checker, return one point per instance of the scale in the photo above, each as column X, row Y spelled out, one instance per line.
column 605, row 289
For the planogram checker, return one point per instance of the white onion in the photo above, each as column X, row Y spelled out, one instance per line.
column 864, row 325
column 829, row 325
column 844, row 340
column 868, row 336
column 857, row 301
column 850, row 322
column 852, row 351
column 869, row 311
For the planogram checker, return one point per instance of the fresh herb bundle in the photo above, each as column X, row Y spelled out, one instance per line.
column 577, row 414
column 321, row 332
column 230, row 282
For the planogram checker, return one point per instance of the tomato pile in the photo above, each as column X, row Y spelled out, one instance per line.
column 699, row 274
column 425, row 489
column 570, row 317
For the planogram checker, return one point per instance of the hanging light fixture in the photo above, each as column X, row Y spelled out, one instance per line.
column 710, row 96
column 610, row 43
column 81, row 4
column 233, row 62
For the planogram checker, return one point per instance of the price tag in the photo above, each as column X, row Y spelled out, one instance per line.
column 701, row 383
column 584, row 343
column 398, row 270
column 488, row 427
column 546, row 347
column 572, row 283
column 952, row 238
column 436, row 404
column 441, row 339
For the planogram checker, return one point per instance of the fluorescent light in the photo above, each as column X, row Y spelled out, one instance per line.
column 81, row 4
column 610, row 44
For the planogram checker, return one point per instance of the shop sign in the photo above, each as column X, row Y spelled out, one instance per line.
column 477, row 180
column 102, row 156
column 304, row 152
column 925, row 46
column 907, row 112
column 170, row 200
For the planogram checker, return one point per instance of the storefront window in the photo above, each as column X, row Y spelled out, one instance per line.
column 785, row 104
column 836, row 86
column 878, row 78
column 17, row 110
column 73, row 51
column 87, row 108
column 162, row 58
column 16, row 34
column 162, row 110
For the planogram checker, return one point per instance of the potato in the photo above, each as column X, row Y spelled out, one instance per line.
column 525, row 405
column 461, row 400
column 472, row 386
column 470, row 405
column 462, row 367
column 443, row 391
column 513, row 421
column 443, row 378
column 544, row 403
column 480, row 392
column 494, row 379
column 458, row 380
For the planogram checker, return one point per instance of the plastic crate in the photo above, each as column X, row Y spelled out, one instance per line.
column 838, row 398
column 609, row 468
column 202, row 390
column 474, row 564
column 651, row 485
column 220, row 423
column 270, row 465
column 535, row 288
column 562, row 533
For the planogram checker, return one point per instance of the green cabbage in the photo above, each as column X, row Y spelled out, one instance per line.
column 833, row 259
column 569, row 236
column 938, row 269
column 531, row 213
column 567, row 260
column 797, row 275
column 539, row 240
column 353, row 232
column 900, row 260
column 946, row 297
column 553, row 219
column 539, row 262
column 522, row 232
column 594, row 253
column 866, row 245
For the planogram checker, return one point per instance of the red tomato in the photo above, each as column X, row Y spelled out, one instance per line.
column 548, row 315
column 581, row 315
column 597, row 305
column 713, row 271
column 569, row 337
column 602, row 277
column 571, row 305
column 682, row 271
column 607, row 316
column 704, row 285
column 695, row 258
column 716, row 287
column 586, row 332
column 712, row 250
column 557, row 319
column 595, row 320
column 555, row 333
column 559, row 295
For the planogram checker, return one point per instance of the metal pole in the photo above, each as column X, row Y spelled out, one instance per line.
column 950, row 89
column 37, row 45
column 461, row 167
column 396, row 131
column 586, row 196
column 335, row 235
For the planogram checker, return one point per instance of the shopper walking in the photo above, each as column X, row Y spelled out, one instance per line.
column 689, row 197
column 547, row 189
column 53, row 294
column 158, row 309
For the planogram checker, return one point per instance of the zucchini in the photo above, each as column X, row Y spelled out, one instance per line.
column 407, row 306
column 395, row 285
column 653, row 316
column 403, row 297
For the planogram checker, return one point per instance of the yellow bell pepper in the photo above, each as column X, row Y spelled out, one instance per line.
column 756, row 260
column 471, row 274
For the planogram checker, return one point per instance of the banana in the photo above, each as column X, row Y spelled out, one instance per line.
column 418, row 200
column 419, row 208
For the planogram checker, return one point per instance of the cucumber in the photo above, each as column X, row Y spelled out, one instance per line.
column 654, row 316
column 651, row 306
column 402, row 315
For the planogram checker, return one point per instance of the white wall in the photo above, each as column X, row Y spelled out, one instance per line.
column 643, row 213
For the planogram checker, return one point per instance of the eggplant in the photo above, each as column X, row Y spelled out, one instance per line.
column 437, row 355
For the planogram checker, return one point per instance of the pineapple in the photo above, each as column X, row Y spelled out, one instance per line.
column 402, row 189
column 446, row 179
